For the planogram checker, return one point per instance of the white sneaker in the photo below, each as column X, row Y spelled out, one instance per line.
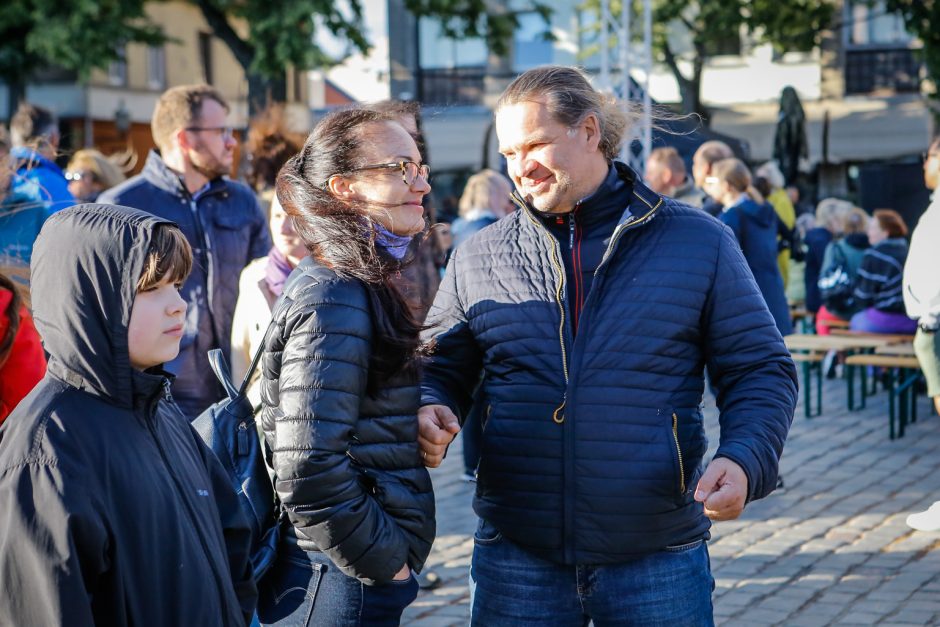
column 926, row 521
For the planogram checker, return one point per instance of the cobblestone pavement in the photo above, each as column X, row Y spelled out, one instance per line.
column 831, row 548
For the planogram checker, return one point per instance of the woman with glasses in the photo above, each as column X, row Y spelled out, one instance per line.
column 339, row 383
column 90, row 172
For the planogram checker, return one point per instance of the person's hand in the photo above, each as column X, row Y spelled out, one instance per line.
column 403, row 574
column 722, row 489
column 437, row 426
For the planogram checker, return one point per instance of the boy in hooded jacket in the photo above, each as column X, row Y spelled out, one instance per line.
column 112, row 510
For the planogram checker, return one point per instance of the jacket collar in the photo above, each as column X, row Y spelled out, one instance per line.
column 145, row 386
column 643, row 205
column 30, row 158
column 159, row 174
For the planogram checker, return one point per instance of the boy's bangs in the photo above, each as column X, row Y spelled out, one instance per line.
column 170, row 258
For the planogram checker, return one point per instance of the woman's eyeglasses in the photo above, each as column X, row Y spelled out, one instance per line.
column 409, row 170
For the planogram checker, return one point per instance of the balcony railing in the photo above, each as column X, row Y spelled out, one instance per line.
column 894, row 70
column 452, row 86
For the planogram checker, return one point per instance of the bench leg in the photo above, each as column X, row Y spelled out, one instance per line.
column 891, row 411
column 819, row 384
column 901, row 394
column 807, row 390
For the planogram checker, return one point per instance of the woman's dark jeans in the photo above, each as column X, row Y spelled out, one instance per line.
column 305, row 588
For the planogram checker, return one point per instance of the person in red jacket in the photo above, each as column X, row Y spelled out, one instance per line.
column 22, row 362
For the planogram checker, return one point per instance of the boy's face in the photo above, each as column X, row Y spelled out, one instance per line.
column 156, row 327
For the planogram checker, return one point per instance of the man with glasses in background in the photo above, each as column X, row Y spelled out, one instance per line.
column 184, row 180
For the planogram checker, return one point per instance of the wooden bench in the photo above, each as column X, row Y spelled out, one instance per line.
column 811, row 362
column 804, row 317
column 889, row 337
column 835, row 324
column 810, row 350
column 902, row 395
column 901, row 349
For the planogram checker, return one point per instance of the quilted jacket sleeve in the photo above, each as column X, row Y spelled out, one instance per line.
column 453, row 370
column 323, row 370
column 751, row 368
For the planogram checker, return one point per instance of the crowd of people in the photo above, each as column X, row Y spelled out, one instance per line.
column 562, row 330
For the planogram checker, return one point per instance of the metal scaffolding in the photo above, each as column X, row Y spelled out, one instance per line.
column 624, row 86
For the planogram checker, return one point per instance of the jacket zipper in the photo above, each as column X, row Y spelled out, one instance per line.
column 210, row 272
column 675, row 436
column 151, row 423
column 574, row 245
column 558, row 416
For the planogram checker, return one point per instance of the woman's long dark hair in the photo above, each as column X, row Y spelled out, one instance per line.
column 341, row 235
column 13, row 318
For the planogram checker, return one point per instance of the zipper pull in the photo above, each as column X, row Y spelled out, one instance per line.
column 166, row 391
column 242, row 438
column 571, row 231
column 559, row 414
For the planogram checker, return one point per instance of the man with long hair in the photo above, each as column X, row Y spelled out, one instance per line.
column 591, row 313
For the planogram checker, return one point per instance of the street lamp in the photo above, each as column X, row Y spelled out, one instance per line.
column 122, row 119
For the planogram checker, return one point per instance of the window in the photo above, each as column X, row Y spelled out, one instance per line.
column 870, row 23
column 438, row 51
column 117, row 70
column 156, row 68
column 530, row 47
column 205, row 55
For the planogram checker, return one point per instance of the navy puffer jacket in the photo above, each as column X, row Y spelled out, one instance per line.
column 592, row 447
column 347, row 464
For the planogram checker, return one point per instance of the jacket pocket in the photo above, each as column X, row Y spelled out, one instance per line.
column 486, row 534
column 679, row 462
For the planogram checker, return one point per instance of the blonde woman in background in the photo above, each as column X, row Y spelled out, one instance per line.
column 830, row 214
column 485, row 200
column 755, row 226
column 90, row 172
column 783, row 206
column 259, row 286
column 848, row 251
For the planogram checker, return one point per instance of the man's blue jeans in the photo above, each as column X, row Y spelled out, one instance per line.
column 509, row 586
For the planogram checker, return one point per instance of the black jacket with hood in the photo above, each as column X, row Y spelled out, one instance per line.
column 112, row 511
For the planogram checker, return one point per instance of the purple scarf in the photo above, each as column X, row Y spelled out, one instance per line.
column 394, row 245
column 279, row 268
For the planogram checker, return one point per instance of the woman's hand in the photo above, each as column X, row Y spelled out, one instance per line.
column 403, row 574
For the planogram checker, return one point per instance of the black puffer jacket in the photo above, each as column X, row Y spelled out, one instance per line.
column 347, row 465
column 112, row 510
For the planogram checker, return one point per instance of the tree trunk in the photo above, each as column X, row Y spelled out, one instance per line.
column 263, row 91
column 16, row 93
column 690, row 89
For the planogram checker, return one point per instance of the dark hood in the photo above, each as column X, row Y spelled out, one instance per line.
column 761, row 214
column 84, row 273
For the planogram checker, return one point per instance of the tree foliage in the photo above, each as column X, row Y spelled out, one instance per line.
column 493, row 22
column 792, row 25
column 284, row 33
column 81, row 36
column 921, row 19
column 265, row 37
